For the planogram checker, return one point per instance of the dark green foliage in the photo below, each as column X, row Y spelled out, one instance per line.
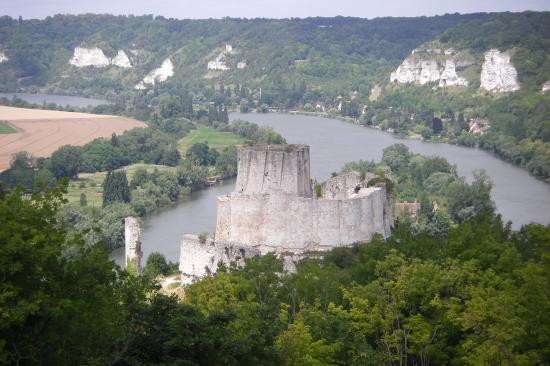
column 437, row 125
column 255, row 134
column 115, row 188
column 25, row 172
column 83, row 200
column 467, row 201
column 431, row 297
column 156, row 265
column 66, row 161
column 56, row 310
column 201, row 154
column 226, row 163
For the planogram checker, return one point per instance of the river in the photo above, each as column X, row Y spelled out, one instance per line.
column 60, row 100
column 518, row 196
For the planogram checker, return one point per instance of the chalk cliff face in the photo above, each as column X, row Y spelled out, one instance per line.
column 546, row 86
column 89, row 57
column 84, row 57
column 121, row 60
column 157, row 75
column 449, row 76
column 423, row 66
column 498, row 74
column 3, row 57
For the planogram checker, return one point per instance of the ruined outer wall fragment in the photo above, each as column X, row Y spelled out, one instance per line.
column 199, row 259
column 132, row 248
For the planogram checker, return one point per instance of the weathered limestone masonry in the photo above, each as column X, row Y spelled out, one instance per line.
column 132, row 248
column 273, row 209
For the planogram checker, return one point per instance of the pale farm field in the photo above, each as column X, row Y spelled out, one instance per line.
column 41, row 132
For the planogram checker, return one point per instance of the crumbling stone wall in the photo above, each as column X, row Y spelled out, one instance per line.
column 132, row 247
column 273, row 210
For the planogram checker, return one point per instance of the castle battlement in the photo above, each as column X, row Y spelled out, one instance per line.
column 273, row 209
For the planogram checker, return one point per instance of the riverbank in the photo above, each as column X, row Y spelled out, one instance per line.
column 410, row 136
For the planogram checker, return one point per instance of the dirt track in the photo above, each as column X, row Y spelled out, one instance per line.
column 41, row 132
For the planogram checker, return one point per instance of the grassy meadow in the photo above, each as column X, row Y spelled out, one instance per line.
column 91, row 183
column 214, row 138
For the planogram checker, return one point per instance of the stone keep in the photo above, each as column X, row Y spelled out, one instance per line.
column 273, row 209
column 132, row 247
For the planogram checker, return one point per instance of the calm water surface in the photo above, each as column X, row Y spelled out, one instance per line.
column 61, row 100
column 519, row 197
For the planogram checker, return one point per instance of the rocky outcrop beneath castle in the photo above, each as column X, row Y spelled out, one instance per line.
column 3, row 57
column 158, row 75
column 497, row 73
column 132, row 244
column 84, row 57
column 121, row 60
column 546, row 86
column 426, row 66
column 94, row 57
column 273, row 210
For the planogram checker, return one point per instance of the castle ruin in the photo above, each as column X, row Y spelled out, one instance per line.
column 274, row 209
column 132, row 244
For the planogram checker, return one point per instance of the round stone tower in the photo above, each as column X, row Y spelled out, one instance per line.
column 274, row 168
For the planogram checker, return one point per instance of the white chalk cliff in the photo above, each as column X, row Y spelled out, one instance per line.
column 449, row 76
column 95, row 57
column 121, row 60
column 84, row 57
column 3, row 57
column 157, row 75
column 421, row 67
column 546, row 86
column 498, row 74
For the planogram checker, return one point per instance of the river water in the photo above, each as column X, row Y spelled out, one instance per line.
column 60, row 100
column 519, row 197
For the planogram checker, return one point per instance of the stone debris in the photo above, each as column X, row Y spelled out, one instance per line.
column 546, row 86
column 497, row 73
column 158, row 75
column 3, row 57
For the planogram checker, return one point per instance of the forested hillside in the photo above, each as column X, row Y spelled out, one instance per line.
column 340, row 53
column 334, row 66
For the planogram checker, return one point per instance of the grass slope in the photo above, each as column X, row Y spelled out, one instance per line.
column 214, row 138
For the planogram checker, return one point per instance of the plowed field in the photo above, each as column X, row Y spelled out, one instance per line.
column 41, row 132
